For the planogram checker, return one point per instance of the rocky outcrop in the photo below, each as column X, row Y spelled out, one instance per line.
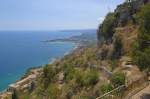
column 124, row 14
column 126, row 11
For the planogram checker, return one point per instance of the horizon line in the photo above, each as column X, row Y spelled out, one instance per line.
column 54, row 30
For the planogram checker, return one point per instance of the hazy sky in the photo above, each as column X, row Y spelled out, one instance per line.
column 53, row 14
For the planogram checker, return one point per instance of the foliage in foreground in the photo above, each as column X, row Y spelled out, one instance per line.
column 141, row 49
column 118, row 79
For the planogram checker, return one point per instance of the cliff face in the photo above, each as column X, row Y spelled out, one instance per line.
column 123, row 14
column 120, row 24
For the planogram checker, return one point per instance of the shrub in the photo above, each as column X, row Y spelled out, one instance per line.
column 106, row 88
column 117, row 50
column 68, row 90
column 90, row 78
column 19, row 95
column 114, row 64
column 141, row 58
column 68, row 71
column 49, row 72
column 53, row 91
column 118, row 79
column 78, row 76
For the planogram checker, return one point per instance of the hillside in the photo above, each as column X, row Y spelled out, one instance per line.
column 125, row 29
column 117, row 68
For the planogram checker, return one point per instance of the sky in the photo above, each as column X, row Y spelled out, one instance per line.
column 54, row 14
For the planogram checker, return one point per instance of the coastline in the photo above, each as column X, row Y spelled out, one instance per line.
column 33, row 73
column 30, row 75
column 52, row 60
column 26, row 51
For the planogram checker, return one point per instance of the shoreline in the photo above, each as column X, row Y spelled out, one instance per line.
column 29, row 77
column 34, row 68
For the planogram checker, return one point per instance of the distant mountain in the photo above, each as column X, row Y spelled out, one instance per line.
column 86, row 37
column 80, row 30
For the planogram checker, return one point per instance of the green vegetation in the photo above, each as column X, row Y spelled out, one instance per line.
column 117, row 51
column 86, row 78
column 76, row 80
column 53, row 91
column 20, row 95
column 106, row 88
column 141, row 50
column 107, row 28
column 90, row 78
column 14, row 95
column 118, row 79
column 49, row 73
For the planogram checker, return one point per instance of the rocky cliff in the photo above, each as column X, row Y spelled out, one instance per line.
column 120, row 26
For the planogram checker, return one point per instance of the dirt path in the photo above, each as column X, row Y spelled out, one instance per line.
column 140, row 94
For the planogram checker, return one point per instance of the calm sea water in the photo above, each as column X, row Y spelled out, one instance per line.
column 21, row 50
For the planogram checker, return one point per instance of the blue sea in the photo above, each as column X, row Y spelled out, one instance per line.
column 21, row 50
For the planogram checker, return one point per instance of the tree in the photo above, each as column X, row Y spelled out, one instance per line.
column 49, row 72
column 141, row 49
column 144, row 30
column 107, row 28
column 14, row 95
